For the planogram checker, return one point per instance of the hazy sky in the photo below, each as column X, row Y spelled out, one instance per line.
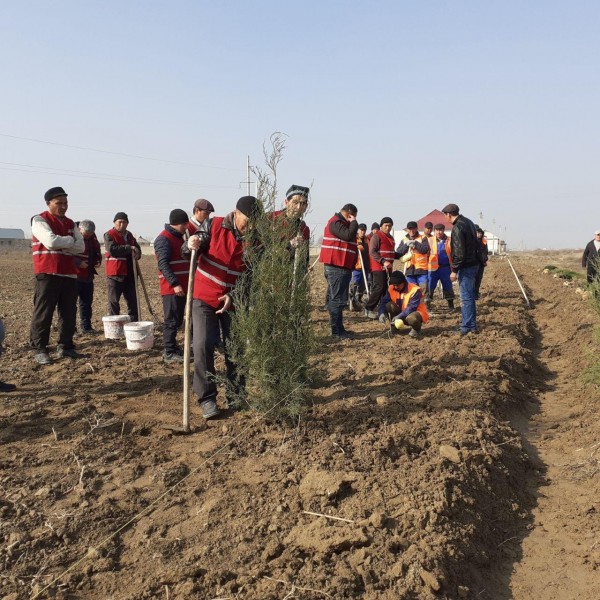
column 397, row 106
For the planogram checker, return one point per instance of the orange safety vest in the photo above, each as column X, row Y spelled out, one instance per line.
column 337, row 252
column 433, row 255
column 386, row 250
column 402, row 299
column 418, row 260
column 54, row 262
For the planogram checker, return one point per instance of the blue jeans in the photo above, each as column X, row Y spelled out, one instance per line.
column 466, row 285
column 338, row 280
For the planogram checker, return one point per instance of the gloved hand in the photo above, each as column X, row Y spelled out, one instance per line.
column 383, row 318
column 411, row 244
column 399, row 323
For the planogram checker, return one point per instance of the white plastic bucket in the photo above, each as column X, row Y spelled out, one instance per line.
column 139, row 335
column 113, row 326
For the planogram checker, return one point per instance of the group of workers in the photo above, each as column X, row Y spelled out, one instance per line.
column 357, row 263
column 66, row 256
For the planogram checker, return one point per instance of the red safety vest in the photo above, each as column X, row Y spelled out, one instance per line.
column 179, row 265
column 54, row 262
column 403, row 298
column 220, row 266
column 386, row 250
column 117, row 267
column 90, row 244
column 304, row 230
column 337, row 252
column 418, row 261
column 433, row 254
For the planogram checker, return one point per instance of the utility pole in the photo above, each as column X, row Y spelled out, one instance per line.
column 248, row 182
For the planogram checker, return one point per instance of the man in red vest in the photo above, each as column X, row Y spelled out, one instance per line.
column 200, row 216
column 381, row 256
column 121, row 250
column 55, row 242
column 220, row 263
column 339, row 253
column 87, row 261
column 173, row 274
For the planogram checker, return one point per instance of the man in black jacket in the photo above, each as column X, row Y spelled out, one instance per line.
column 589, row 259
column 464, row 262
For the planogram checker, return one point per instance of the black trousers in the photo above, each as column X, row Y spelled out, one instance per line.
column 125, row 288
column 206, row 325
column 174, row 311
column 53, row 292
column 378, row 287
column 478, row 279
column 85, row 293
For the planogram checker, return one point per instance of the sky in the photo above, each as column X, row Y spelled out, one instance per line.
column 398, row 107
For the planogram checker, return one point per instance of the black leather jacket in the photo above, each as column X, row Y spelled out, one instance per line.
column 464, row 244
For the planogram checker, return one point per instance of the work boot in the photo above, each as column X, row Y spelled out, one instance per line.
column 428, row 303
column 42, row 358
column 209, row 409
column 63, row 352
column 7, row 387
column 370, row 314
column 413, row 333
column 450, row 305
column 171, row 357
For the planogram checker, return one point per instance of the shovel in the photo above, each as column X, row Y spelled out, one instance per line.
column 136, row 274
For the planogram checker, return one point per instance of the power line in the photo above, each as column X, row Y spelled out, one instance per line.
column 164, row 160
column 105, row 176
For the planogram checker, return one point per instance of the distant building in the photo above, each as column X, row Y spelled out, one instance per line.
column 11, row 234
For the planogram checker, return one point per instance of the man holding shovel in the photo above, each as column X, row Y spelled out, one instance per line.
column 220, row 263
column 121, row 250
column 173, row 274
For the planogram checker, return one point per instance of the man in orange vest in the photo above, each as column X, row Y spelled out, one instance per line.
column 220, row 263
column 417, row 245
column 173, row 275
column 339, row 253
column 439, row 267
column 121, row 250
column 381, row 255
column 362, row 267
column 404, row 303
column 55, row 242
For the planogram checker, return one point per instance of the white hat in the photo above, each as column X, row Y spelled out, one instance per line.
column 597, row 232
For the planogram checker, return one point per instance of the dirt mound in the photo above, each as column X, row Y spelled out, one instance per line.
column 405, row 480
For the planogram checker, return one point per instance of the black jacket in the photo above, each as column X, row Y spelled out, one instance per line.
column 590, row 257
column 464, row 245
column 162, row 249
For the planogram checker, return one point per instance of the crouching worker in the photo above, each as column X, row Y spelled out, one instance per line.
column 405, row 305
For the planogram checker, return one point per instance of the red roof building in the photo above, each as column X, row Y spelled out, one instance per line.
column 435, row 216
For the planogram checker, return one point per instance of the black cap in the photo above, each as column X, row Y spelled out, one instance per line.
column 178, row 217
column 412, row 225
column 440, row 226
column 479, row 230
column 451, row 208
column 375, row 226
column 428, row 224
column 363, row 226
column 386, row 220
column 297, row 190
column 121, row 216
column 248, row 205
column 397, row 278
column 54, row 192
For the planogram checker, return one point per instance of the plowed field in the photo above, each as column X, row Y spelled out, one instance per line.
column 443, row 467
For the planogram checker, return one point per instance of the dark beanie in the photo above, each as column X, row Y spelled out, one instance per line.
column 178, row 217
column 428, row 224
column 54, row 192
column 397, row 278
column 363, row 226
column 298, row 190
column 412, row 225
column 386, row 220
column 121, row 216
column 248, row 205
column 375, row 226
